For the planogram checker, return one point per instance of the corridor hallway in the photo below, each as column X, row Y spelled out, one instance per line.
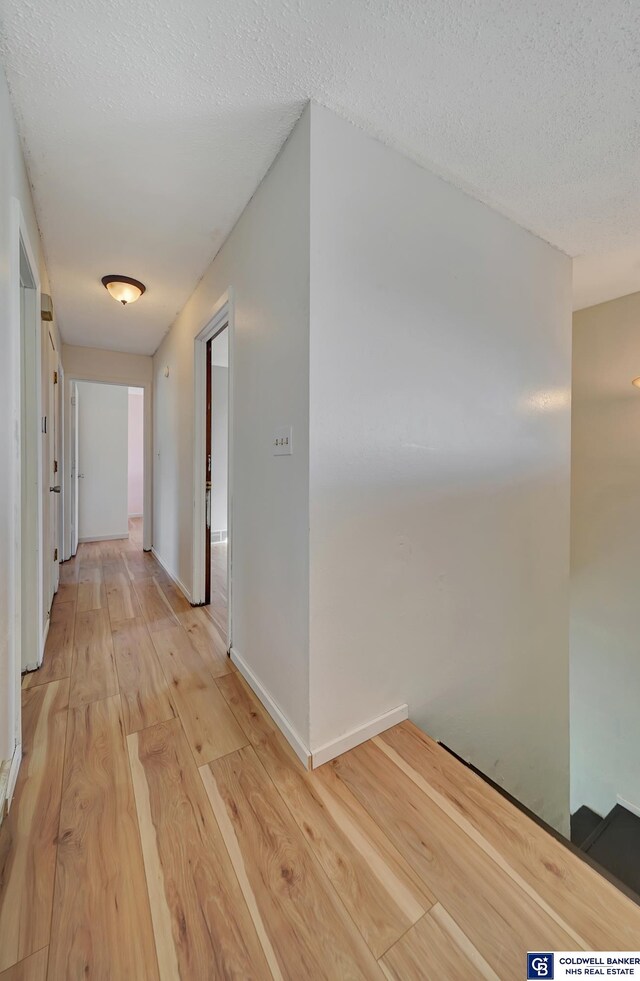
column 162, row 826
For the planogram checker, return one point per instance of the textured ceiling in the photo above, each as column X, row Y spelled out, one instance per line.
column 601, row 277
column 148, row 124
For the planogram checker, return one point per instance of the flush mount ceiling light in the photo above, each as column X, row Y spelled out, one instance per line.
column 123, row 288
column 636, row 382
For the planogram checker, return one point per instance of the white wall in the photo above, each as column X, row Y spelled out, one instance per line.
column 14, row 185
column 423, row 342
column 103, row 451
column 605, row 551
column 439, row 467
column 266, row 262
column 136, row 452
column 219, row 446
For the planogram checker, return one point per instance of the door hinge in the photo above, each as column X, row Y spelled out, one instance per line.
column 55, row 378
column 55, row 555
column 55, row 466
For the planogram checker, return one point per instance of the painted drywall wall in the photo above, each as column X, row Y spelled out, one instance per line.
column 118, row 368
column 265, row 261
column 14, row 190
column 219, row 448
column 605, row 544
column 439, row 467
column 103, row 450
column 135, row 493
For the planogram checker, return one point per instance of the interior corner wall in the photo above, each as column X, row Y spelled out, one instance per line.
column 605, row 544
column 265, row 262
column 14, row 184
column 440, row 359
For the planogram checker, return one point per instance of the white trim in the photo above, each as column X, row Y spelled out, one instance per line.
column 25, row 599
column 14, row 769
column 634, row 808
column 43, row 644
column 360, row 735
column 181, row 586
column 221, row 316
column 8, row 779
column 34, row 665
column 102, row 376
column 272, row 708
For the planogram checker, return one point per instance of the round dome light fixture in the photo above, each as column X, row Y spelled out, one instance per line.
column 636, row 382
column 123, row 288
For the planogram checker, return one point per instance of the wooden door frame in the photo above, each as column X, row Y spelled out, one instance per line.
column 221, row 317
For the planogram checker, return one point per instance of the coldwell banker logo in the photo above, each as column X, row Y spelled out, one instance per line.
column 540, row 966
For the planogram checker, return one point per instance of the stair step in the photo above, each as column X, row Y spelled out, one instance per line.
column 583, row 823
column 615, row 844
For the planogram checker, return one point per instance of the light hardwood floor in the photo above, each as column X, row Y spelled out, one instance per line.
column 162, row 827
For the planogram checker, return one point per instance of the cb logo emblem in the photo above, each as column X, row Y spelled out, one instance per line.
column 539, row 966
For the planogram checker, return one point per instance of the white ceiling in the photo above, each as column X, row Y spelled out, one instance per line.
column 148, row 124
column 604, row 276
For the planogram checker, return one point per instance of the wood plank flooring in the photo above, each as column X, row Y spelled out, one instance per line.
column 162, row 828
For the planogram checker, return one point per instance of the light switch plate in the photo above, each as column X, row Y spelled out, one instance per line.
column 283, row 441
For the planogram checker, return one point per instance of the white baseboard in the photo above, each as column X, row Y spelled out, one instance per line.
column 105, row 538
column 8, row 778
column 181, row 586
column 356, row 736
column 13, row 773
column 634, row 808
column 34, row 665
column 272, row 708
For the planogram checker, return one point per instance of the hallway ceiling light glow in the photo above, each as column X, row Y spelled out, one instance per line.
column 123, row 288
column 636, row 382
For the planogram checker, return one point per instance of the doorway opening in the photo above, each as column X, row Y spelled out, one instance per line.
column 217, row 481
column 213, row 470
column 24, row 634
column 34, row 571
column 106, row 462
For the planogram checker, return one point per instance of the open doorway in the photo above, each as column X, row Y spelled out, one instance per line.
column 217, row 463
column 32, row 566
column 135, row 477
column 106, row 462
column 605, row 613
column 23, row 489
column 213, row 470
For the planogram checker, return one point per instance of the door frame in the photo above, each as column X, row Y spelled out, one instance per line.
column 26, row 582
column 71, row 439
column 103, row 374
column 53, row 476
column 222, row 317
